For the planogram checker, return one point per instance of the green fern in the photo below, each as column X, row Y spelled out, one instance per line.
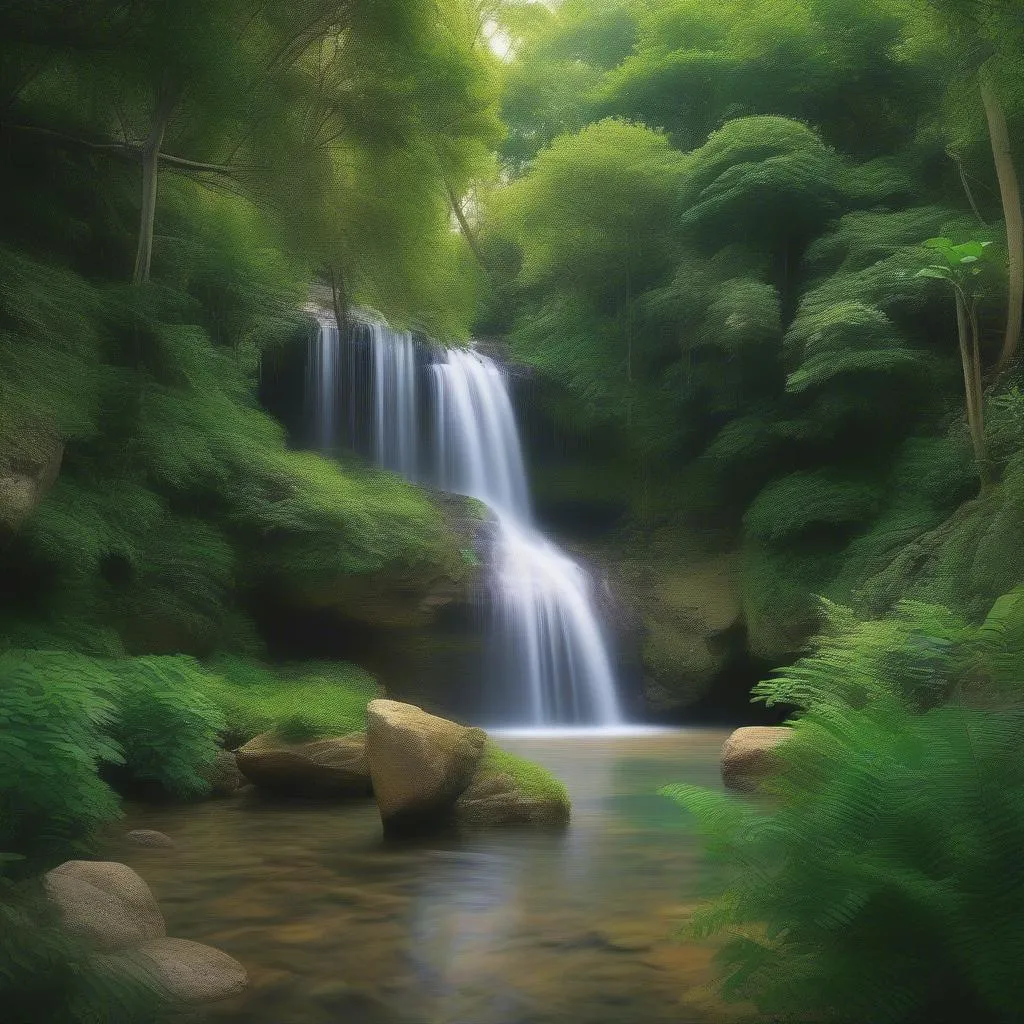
column 165, row 722
column 55, row 724
column 882, row 880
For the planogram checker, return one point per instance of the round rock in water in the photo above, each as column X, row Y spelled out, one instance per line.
column 331, row 767
column 190, row 972
column 148, row 837
column 747, row 755
column 105, row 903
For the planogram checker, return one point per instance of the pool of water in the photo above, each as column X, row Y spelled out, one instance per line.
column 499, row 927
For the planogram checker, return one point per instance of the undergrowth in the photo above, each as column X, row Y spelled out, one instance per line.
column 881, row 881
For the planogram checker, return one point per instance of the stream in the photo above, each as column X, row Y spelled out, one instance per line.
column 497, row 927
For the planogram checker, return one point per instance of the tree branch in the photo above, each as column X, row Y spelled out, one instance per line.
column 125, row 149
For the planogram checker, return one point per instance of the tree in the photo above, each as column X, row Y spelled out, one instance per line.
column 988, row 41
column 276, row 103
column 961, row 268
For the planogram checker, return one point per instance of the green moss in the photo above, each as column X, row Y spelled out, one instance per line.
column 529, row 776
column 300, row 701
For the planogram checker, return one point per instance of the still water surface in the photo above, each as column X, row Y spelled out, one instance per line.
column 499, row 927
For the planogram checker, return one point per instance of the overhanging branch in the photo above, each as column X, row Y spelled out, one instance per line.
column 126, row 150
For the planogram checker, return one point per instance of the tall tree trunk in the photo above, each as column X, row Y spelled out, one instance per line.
column 971, row 362
column 150, row 171
column 1009, row 191
column 467, row 231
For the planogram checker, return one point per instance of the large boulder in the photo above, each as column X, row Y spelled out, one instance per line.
column 496, row 798
column 110, row 907
column 747, row 755
column 331, row 767
column 419, row 764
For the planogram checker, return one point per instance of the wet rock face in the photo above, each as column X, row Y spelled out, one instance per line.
column 687, row 615
column 111, row 907
column 419, row 764
column 335, row 766
column 747, row 755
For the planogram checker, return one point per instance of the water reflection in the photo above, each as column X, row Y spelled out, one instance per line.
column 500, row 927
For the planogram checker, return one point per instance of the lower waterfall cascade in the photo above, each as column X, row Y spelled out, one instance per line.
column 443, row 417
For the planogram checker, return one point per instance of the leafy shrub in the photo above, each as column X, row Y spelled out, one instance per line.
column 54, row 733
column 800, row 501
column 165, row 722
column 882, row 882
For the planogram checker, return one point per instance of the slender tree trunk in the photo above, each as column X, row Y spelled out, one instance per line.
column 1009, row 190
column 970, row 360
column 955, row 157
column 467, row 231
column 150, row 172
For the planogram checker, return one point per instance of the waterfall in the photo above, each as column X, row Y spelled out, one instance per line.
column 446, row 417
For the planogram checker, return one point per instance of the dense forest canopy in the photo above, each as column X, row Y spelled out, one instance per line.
column 710, row 230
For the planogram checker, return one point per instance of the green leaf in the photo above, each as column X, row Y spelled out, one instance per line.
column 937, row 272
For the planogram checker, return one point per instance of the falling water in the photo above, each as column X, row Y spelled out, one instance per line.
column 394, row 381
column 549, row 650
column 323, row 385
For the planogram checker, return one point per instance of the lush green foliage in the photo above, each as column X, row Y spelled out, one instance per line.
column 166, row 724
column 881, row 881
column 713, row 243
column 55, row 726
column 300, row 701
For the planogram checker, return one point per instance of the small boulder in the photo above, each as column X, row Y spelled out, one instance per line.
column 148, row 837
column 104, row 902
column 336, row 766
column 27, row 471
column 419, row 764
column 189, row 972
column 494, row 798
column 223, row 774
column 747, row 755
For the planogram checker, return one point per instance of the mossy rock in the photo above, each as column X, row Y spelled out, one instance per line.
column 690, row 616
column 510, row 790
